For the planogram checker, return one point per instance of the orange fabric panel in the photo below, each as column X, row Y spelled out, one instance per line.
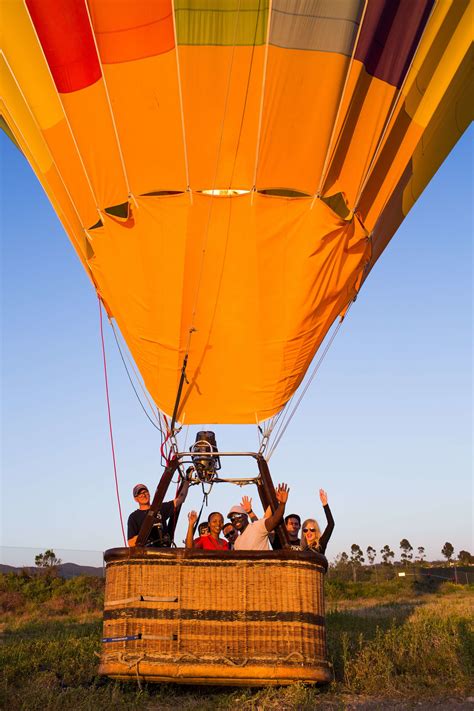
column 91, row 123
column 145, row 97
column 302, row 93
column 128, row 31
column 221, row 96
column 53, row 183
column 275, row 276
column 367, row 104
column 66, row 158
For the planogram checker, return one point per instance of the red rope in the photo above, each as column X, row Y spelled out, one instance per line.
column 162, row 449
column 110, row 422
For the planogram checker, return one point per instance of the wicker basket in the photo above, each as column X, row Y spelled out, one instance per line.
column 211, row 617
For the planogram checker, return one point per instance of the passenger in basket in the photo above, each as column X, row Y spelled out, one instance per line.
column 311, row 538
column 211, row 541
column 203, row 528
column 230, row 533
column 293, row 525
column 160, row 533
column 254, row 536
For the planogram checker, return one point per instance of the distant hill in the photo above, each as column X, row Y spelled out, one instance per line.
column 65, row 570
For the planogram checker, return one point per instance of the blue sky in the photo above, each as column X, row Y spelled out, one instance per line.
column 386, row 426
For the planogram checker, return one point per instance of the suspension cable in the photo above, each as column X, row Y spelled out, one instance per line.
column 138, row 378
column 156, row 426
column 110, row 421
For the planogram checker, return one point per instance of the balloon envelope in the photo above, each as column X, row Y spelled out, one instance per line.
column 229, row 173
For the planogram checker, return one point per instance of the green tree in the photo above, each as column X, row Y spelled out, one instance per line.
column 406, row 548
column 387, row 554
column 47, row 561
column 341, row 566
column 341, row 560
column 447, row 550
column 465, row 557
column 421, row 554
column 357, row 558
column 371, row 554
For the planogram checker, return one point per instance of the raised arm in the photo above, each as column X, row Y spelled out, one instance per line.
column 192, row 518
column 183, row 492
column 326, row 535
column 246, row 503
column 272, row 521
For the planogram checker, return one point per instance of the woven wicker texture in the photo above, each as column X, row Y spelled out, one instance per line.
column 210, row 615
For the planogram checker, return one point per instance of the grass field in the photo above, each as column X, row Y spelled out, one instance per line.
column 391, row 645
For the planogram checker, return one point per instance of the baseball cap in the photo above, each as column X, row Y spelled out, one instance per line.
column 137, row 488
column 237, row 510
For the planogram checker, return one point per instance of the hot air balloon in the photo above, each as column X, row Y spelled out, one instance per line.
column 228, row 174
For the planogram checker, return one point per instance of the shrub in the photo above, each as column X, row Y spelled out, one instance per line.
column 27, row 592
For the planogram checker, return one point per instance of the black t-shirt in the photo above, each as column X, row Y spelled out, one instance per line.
column 163, row 517
column 295, row 545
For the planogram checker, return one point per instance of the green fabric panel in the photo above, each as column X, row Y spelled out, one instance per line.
column 213, row 22
column 5, row 127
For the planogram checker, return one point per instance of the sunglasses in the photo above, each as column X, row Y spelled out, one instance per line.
column 305, row 530
column 229, row 534
column 236, row 517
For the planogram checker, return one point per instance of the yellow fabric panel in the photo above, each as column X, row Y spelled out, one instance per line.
column 221, row 95
column 91, row 123
column 448, row 122
column 22, row 118
column 25, row 57
column 442, row 76
column 442, row 24
column 367, row 104
column 26, row 61
column 48, row 176
column 302, row 93
column 147, row 111
column 449, row 47
column 452, row 117
column 275, row 275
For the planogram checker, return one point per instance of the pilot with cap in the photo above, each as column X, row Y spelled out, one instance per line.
column 160, row 533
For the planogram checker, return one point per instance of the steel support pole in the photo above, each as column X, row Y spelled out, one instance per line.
column 266, row 490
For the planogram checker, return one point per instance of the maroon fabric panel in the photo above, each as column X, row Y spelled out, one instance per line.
column 390, row 35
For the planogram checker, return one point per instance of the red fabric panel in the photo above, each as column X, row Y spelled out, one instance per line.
column 64, row 30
